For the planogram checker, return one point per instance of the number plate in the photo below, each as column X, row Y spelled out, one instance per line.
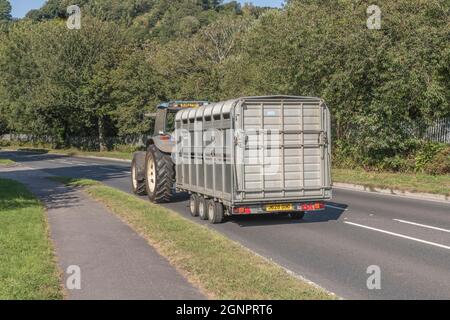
column 280, row 207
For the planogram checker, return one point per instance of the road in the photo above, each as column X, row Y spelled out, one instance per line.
column 408, row 239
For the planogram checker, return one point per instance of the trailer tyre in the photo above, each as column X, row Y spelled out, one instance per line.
column 215, row 212
column 297, row 215
column 138, row 185
column 202, row 208
column 193, row 205
column 160, row 175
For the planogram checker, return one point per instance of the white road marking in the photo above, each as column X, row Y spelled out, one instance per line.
column 400, row 235
column 66, row 162
column 421, row 225
column 80, row 163
column 334, row 207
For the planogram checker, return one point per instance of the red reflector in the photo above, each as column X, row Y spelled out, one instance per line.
column 242, row 210
column 312, row 206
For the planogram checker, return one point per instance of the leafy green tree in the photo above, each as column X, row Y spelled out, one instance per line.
column 5, row 11
column 130, row 54
column 138, row 89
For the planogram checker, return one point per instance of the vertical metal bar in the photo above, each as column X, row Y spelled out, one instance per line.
column 263, row 150
column 322, row 158
column 303, row 147
column 222, row 141
column 282, row 150
column 204, row 155
column 233, row 167
column 213, row 155
column 183, row 156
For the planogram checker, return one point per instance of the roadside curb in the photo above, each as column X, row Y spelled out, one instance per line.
column 394, row 192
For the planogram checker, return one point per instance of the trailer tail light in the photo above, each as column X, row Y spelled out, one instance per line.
column 242, row 210
column 311, row 206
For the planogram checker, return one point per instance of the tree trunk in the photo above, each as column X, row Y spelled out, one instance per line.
column 101, row 134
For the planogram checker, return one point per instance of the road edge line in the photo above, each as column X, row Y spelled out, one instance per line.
column 393, row 192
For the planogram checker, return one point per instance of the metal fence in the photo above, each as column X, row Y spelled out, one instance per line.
column 436, row 131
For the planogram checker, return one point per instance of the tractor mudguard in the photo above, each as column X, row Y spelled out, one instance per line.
column 164, row 145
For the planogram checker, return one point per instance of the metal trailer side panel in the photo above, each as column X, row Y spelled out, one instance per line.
column 283, row 152
column 204, row 161
column 290, row 160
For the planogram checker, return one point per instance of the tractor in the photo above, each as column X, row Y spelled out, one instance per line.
column 153, row 170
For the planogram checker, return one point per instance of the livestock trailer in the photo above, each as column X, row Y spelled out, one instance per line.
column 254, row 155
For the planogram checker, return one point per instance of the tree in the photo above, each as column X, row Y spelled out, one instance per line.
column 5, row 11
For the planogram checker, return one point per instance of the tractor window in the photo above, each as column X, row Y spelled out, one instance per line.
column 170, row 121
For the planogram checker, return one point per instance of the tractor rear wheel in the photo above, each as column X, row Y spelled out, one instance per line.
column 160, row 175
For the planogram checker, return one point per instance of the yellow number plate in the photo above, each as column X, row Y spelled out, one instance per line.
column 279, row 207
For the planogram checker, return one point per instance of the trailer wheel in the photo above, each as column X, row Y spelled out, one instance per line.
column 138, row 186
column 202, row 208
column 193, row 205
column 297, row 215
column 215, row 212
column 160, row 175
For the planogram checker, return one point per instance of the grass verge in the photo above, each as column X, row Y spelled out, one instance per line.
column 400, row 181
column 6, row 162
column 222, row 268
column 27, row 267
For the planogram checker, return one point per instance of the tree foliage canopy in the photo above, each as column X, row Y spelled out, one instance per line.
column 131, row 54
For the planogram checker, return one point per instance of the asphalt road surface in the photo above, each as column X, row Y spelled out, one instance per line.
column 407, row 240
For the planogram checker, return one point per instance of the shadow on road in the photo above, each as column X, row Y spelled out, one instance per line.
column 329, row 214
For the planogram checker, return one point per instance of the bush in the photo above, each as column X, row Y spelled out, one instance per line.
column 426, row 155
column 418, row 156
column 440, row 163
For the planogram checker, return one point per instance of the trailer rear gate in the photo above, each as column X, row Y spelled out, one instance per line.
column 280, row 147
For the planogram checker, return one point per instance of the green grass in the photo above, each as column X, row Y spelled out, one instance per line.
column 222, row 268
column 6, row 162
column 27, row 264
column 75, row 182
column 399, row 181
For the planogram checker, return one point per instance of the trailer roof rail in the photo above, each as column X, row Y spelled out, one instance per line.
column 182, row 104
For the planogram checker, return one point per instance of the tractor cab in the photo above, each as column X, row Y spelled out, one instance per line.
column 165, row 115
column 165, row 122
